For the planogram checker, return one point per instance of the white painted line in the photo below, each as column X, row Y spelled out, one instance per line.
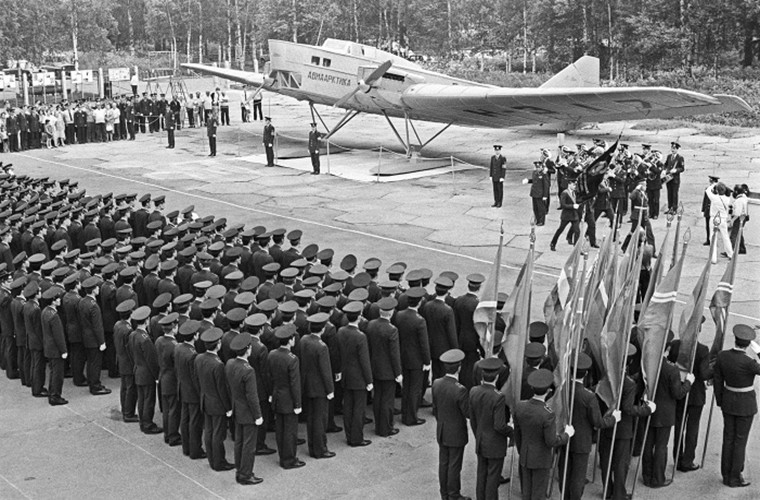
column 15, row 487
column 146, row 452
column 314, row 223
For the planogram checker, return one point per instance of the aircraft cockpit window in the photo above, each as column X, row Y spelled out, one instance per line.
column 315, row 60
column 326, row 62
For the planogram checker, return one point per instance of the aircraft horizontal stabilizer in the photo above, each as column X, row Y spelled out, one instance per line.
column 236, row 75
column 582, row 73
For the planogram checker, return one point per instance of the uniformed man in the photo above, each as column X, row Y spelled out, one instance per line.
column 121, row 331
column 241, row 378
column 33, row 326
column 674, row 166
column 93, row 335
column 318, row 386
column 54, row 343
column 569, row 216
column 451, row 410
column 385, row 362
column 586, row 419
column 489, row 419
column 735, row 371
column 706, row 211
column 314, row 138
column 191, row 418
column 469, row 340
column 258, row 359
column 639, row 211
column 539, row 191
column 535, row 436
column 215, row 399
column 170, row 125
column 415, row 355
column 441, row 324
column 170, row 405
column 285, row 378
column 497, row 171
column 211, row 125
column 269, row 138
column 146, row 369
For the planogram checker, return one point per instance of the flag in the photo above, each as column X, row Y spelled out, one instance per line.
column 592, row 175
column 720, row 302
column 691, row 316
column 484, row 315
column 654, row 325
column 615, row 336
column 656, row 274
column 516, row 314
column 599, row 292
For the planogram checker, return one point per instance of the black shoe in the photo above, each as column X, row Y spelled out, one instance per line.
column 594, row 246
column 333, row 429
column 419, row 421
column 250, row 481
column 327, row 454
column 553, row 248
column 225, row 467
column 493, row 206
column 366, row 442
column 174, row 442
column 100, row 391
column 152, row 429
column 42, row 394
column 294, row 465
column 367, row 420
column 504, row 480
column 393, row 432
column 396, row 411
column 57, row 401
column 199, row 457
column 426, row 404
column 667, row 483
column 265, row 451
column 300, row 441
column 315, row 173
column 688, row 468
column 498, row 206
column 131, row 419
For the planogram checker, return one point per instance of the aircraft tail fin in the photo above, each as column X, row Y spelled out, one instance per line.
column 582, row 73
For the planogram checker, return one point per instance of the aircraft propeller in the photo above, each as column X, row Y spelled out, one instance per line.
column 366, row 84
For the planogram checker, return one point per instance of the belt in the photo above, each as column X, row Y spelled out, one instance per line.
column 740, row 389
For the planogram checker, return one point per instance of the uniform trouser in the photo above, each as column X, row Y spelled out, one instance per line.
column 489, row 473
column 286, row 434
column 607, row 211
column 146, row 404
column 382, row 405
column 539, row 210
column 191, row 429
column 450, row 471
column 170, row 414
column 70, row 133
column 735, row 436
column 190, row 121
column 270, row 155
column 620, row 207
column 621, row 461
column 590, row 227
column 653, row 195
column 534, row 483
column 170, row 137
column 266, row 414
column 245, row 449
column 214, row 432
column 4, row 340
column 438, row 369
column 575, row 478
column 727, row 246
column 109, row 356
column 655, row 455
column 314, row 161
column 708, row 228
column 131, row 130
column 77, row 359
column 572, row 235
column 141, row 120
column 257, row 112
column 212, row 145
column 673, row 186
column 498, row 191
column 37, row 370
column 55, row 384
column 225, row 116
column 354, row 405
column 648, row 231
column 11, row 357
column 738, row 247
column 411, row 394
column 128, row 396
column 94, row 365
column 24, row 365
column 689, row 439
column 316, row 425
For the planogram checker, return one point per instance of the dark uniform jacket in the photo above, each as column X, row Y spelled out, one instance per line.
column 464, row 306
column 535, row 434
column 215, row 397
column 19, row 328
column 669, row 390
column 70, row 308
column 6, row 316
column 144, row 356
column 385, row 358
column 187, row 380
column 140, row 222
column 413, row 339
column 702, row 371
column 316, row 371
column 441, row 327
column 167, row 375
column 52, row 333
column 566, row 203
column 33, row 325
column 586, row 419
column 497, row 169
column 353, row 359
column 488, row 417
column 451, row 408
column 314, row 137
column 639, row 203
column 268, row 134
column 108, row 305
column 241, row 378
column 735, row 369
column 121, row 331
column 91, row 322
column 541, row 184
column 285, row 377
column 259, row 361
column 674, row 164
column 630, row 410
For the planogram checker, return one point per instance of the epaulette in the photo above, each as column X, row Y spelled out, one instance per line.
column 291, row 355
column 548, row 409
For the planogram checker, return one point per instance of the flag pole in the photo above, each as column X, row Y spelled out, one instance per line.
column 679, row 212
column 725, row 321
column 639, row 258
column 491, row 327
column 682, row 429
column 686, row 238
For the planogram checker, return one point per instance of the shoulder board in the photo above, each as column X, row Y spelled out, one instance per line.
column 145, row 335
column 548, row 409
column 292, row 355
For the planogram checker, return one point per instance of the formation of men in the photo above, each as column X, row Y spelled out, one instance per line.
column 233, row 330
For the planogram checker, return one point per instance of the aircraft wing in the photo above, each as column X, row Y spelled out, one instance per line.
column 494, row 107
column 236, row 75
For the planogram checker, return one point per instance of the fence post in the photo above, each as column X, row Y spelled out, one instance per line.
column 328, row 156
column 101, row 84
column 379, row 162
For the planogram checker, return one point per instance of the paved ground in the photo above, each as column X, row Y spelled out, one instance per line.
column 441, row 222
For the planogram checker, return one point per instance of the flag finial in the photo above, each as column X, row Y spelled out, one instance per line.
column 687, row 235
column 680, row 209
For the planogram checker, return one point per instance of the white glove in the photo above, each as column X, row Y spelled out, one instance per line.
column 425, row 368
column 297, row 411
column 270, row 399
column 617, row 415
column 569, row 430
column 338, row 376
column 501, row 180
column 228, row 413
column 369, row 387
column 690, row 378
column 259, row 421
column 525, row 181
column 652, row 405
column 330, row 396
column 270, row 145
column 399, row 379
column 64, row 355
column 102, row 347
column 575, row 206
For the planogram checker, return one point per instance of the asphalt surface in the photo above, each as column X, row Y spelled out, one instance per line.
column 442, row 222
